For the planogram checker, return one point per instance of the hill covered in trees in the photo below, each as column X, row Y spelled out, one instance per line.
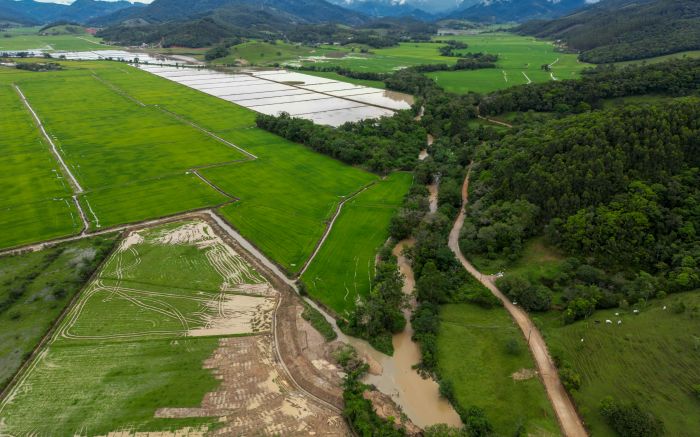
column 33, row 12
column 621, row 30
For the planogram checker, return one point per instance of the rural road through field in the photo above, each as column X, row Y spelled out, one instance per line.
column 569, row 421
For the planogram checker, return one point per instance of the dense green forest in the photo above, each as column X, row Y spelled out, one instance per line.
column 620, row 30
column 617, row 190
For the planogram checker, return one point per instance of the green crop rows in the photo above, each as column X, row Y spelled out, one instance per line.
column 36, row 200
column 126, row 136
column 343, row 268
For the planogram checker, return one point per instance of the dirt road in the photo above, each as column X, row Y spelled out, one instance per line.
column 569, row 421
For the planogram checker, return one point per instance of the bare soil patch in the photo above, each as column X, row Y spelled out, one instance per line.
column 256, row 397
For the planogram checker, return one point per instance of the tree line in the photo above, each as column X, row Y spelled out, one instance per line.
column 676, row 78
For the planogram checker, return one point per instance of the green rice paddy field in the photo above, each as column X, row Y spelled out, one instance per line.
column 520, row 58
column 482, row 372
column 650, row 358
column 343, row 268
column 136, row 161
column 36, row 198
column 28, row 38
column 121, row 352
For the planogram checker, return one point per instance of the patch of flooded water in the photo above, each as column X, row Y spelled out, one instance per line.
column 322, row 100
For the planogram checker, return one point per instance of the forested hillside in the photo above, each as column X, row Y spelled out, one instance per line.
column 617, row 190
column 620, row 30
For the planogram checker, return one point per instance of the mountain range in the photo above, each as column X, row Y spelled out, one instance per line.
column 499, row 11
column 31, row 12
column 350, row 12
column 621, row 30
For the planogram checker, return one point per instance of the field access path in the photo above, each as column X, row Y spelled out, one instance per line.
column 569, row 420
column 75, row 185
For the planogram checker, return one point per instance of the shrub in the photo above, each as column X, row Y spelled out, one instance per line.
column 513, row 347
column 570, row 378
column 629, row 420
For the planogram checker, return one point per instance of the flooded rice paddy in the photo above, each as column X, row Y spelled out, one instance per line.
column 321, row 100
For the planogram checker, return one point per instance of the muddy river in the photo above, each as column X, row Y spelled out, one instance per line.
column 419, row 398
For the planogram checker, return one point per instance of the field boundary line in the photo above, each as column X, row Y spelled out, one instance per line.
column 23, row 370
column 567, row 416
column 329, row 227
column 211, row 184
column 208, row 132
column 330, row 95
column 33, row 247
column 173, row 115
column 74, row 182
column 118, row 90
column 86, row 223
column 529, row 81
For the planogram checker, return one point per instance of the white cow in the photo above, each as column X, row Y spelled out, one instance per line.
column 608, row 322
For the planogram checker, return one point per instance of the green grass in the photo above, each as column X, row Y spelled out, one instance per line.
column 481, row 372
column 391, row 58
column 35, row 202
column 664, row 58
column 265, row 53
column 343, row 268
column 651, row 358
column 28, row 38
column 26, row 320
column 517, row 55
column 109, row 367
column 537, row 260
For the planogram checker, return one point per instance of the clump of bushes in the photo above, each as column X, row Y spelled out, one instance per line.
column 536, row 297
column 629, row 420
column 313, row 316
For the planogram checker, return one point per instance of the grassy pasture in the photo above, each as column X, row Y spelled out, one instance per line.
column 286, row 195
column 121, row 352
column 28, row 38
column 342, row 270
column 57, row 272
column 664, row 58
column 35, row 202
column 481, row 373
column 651, row 358
column 265, row 53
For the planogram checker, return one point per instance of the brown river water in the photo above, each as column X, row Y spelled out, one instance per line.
column 394, row 376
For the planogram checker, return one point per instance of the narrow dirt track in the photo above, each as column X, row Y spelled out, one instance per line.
column 569, row 421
